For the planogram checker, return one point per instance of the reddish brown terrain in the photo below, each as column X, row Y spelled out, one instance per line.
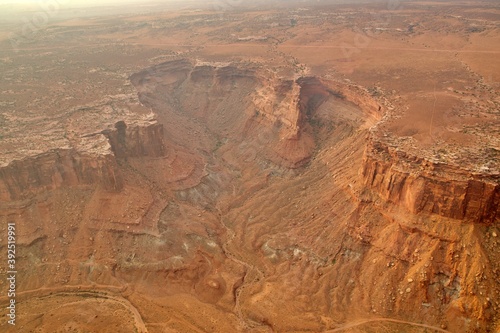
column 246, row 168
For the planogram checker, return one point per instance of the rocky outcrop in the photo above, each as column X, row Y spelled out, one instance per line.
column 281, row 114
column 248, row 105
column 136, row 141
column 426, row 187
column 55, row 169
column 278, row 104
column 287, row 106
column 93, row 161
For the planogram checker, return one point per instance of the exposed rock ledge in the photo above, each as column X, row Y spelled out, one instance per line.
column 93, row 161
column 422, row 186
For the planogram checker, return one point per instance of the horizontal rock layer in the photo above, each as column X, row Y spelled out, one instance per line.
column 73, row 167
column 135, row 141
column 56, row 169
column 433, row 188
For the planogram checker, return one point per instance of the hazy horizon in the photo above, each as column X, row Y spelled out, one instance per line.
column 65, row 2
column 84, row 3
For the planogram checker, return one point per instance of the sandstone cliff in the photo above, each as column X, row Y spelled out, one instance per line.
column 56, row 169
column 248, row 105
column 92, row 161
column 135, row 141
column 422, row 186
column 215, row 225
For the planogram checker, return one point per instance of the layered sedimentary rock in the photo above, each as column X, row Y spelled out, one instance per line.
column 287, row 106
column 428, row 187
column 56, row 169
column 278, row 104
column 219, row 220
column 249, row 104
column 93, row 161
column 136, row 141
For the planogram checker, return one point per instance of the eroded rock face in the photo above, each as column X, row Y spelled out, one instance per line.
column 248, row 104
column 136, row 141
column 431, row 188
column 219, row 208
column 92, row 162
column 57, row 169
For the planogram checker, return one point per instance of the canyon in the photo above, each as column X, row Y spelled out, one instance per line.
column 183, row 182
